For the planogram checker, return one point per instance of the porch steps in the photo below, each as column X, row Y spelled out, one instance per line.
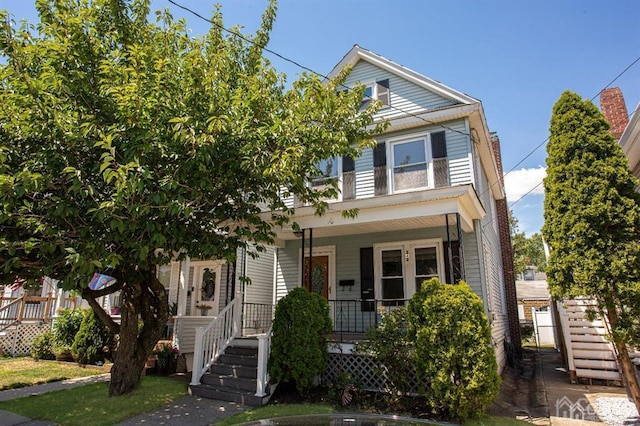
column 591, row 353
column 233, row 376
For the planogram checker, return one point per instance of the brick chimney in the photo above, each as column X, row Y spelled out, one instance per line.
column 614, row 110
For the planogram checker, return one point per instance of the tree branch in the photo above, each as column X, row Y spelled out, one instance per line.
column 101, row 313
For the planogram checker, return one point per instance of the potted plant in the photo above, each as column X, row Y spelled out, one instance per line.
column 63, row 353
column 204, row 309
column 167, row 357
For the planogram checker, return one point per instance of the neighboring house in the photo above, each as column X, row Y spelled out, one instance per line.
column 535, row 307
column 625, row 129
column 28, row 312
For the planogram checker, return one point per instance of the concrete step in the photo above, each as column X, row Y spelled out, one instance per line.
column 229, row 382
column 246, row 342
column 241, row 350
column 234, row 370
column 244, row 360
column 239, row 396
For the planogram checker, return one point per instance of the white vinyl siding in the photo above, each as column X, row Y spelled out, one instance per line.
column 405, row 95
column 458, row 157
column 459, row 153
column 260, row 271
column 364, row 174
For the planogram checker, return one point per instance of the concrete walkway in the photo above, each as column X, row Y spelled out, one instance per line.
column 571, row 404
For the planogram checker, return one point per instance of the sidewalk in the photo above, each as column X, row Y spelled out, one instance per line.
column 187, row 410
column 571, row 404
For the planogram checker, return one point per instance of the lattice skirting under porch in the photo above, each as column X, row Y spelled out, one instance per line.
column 17, row 339
column 364, row 370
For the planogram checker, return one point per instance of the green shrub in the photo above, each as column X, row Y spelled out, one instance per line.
column 299, row 346
column 93, row 340
column 454, row 356
column 42, row 346
column 67, row 325
column 393, row 352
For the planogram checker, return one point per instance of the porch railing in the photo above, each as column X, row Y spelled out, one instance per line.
column 212, row 340
column 264, row 349
column 256, row 318
column 29, row 308
column 355, row 317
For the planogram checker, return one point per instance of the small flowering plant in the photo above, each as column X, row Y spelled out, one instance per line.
column 167, row 356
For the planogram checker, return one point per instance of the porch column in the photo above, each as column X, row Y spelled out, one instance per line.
column 183, row 282
column 310, row 257
column 449, row 253
column 302, row 261
column 460, row 248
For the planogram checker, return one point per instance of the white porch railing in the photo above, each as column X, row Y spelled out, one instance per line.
column 212, row 340
column 264, row 348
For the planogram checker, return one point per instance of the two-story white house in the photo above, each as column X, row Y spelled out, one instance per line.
column 426, row 198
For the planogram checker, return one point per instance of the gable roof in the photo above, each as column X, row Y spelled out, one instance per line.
column 466, row 105
column 358, row 53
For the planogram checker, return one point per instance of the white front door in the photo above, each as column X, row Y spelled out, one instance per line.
column 401, row 267
column 204, row 282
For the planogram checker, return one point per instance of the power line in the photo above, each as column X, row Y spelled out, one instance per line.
column 293, row 62
column 547, row 138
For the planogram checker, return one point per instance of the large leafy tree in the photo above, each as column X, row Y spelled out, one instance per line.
column 126, row 143
column 526, row 250
column 592, row 222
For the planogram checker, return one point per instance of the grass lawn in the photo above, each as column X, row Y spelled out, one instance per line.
column 20, row 372
column 284, row 410
column 90, row 405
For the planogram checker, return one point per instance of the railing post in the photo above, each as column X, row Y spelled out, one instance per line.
column 237, row 315
column 263, row 356
column 47, row 307
column 21, row 309
column 196, row 371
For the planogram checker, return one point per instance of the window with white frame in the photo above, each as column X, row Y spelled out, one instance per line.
column 410, row 166
column 376, row 90
column 329, row 169
column 418, row 161
column 401, row 268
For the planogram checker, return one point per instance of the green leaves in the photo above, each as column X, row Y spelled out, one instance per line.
column 123, row 139
column 592, row 213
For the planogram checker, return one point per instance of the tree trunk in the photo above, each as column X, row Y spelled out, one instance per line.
column 627, row 369
column 144, row 314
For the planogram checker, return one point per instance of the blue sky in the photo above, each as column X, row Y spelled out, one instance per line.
column 517, row 57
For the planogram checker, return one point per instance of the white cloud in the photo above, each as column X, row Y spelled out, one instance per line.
column 519, row 182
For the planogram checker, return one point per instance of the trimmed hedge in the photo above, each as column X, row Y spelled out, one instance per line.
column 299, row 346
column 454, row 358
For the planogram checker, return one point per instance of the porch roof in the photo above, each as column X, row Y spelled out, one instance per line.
column 410, row 210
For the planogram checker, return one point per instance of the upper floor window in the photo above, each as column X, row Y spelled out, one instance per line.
column 418, row 162
column 328, row 170
column 378, row 90
column 409, row 164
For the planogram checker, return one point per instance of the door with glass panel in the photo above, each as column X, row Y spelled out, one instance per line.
column 425, row 265
column 392, row 279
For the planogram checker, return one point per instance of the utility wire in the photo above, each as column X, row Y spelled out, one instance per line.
column 291, row 61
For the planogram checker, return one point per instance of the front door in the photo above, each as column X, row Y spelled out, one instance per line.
column 204, row 282
column 319, row 282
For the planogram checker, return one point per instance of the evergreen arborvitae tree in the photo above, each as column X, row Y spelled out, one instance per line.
column 592, row 222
